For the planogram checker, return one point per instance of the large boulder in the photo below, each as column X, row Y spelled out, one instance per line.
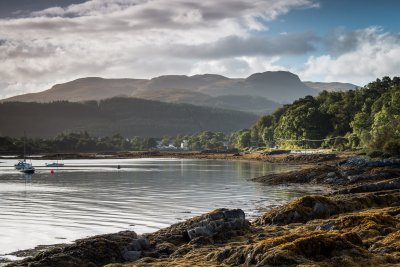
column 216, row 226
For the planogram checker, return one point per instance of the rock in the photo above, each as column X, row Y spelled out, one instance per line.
column 138, row 244
column 165, row 248
column 361, row 162
column 368, row 176
column 314, row 246
column 311, row 174
column 218, row 222
column 222, row 255
column 321, row 210
column 94, row 251
column 327, row 226
column 132, row 255
column 331, row 174
column 372, row 187
column 144, row 243
column 300, row 210
column 201, row 240
column 311, row 207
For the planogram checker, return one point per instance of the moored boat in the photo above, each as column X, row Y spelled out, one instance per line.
column 22, row 165
column 28, row 168
column 54, row 164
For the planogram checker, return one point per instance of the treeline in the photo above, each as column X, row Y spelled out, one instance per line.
column 202, row 141
column 83, row 142
column 367, row 117
column 75, row 142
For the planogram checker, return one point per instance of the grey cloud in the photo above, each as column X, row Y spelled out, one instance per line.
column 233, row 46
column 342, row 41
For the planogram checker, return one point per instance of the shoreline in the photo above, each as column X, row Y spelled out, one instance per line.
column 363, row 191
column 257, row 156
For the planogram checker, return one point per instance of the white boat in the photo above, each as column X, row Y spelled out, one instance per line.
column 24, row 166
column 27, row 168
column 54, row 164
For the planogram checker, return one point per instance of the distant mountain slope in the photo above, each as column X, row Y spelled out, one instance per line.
column 277, row 86
column 254, row 104
column 333, row 86
column 128, row 116
column 91, row 88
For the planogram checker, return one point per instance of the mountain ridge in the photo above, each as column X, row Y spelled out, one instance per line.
column 273, row 88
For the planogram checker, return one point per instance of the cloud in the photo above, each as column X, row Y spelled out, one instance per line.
column 140, row 38
column 238, row 67
column 233, row 46
column 361, row 56
column 342, row 41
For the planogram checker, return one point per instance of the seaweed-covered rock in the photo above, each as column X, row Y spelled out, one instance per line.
column 312, row 207
column 372, row 187
column 314, row 246
column 93, row 251
column 363, row 162
column 301, row 210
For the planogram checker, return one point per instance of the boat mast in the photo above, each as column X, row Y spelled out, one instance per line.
column 24, row 144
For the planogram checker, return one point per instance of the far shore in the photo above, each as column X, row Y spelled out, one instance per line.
column 288, row 158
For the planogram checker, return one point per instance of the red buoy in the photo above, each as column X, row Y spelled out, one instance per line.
column 52, row 172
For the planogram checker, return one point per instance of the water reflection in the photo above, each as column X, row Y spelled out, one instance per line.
column 95, row 197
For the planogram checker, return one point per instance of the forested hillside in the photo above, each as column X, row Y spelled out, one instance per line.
column 126, row 116
column 368, row 117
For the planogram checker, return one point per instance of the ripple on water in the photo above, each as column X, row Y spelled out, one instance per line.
column 93, row 197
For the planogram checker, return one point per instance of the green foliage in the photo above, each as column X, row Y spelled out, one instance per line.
column 302, row 120
column 207, row 141
column 367, row 117
column 76, row 142
column 241, row 139
column 375, row 153
column 392, row 147
column 127, row 116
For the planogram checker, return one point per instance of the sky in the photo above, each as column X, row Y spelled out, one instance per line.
column 44, row 42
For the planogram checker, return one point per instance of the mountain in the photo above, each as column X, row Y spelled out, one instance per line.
column 84, row 89
column 127, row 116
column 276, row 87
column 253, row 104
column 330, row 87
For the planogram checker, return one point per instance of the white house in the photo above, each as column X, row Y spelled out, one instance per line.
column 185, row 145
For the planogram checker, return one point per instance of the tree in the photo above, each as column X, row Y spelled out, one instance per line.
column 303, row 120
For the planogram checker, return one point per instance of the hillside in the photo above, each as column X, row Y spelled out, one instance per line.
column 279, row 86
column 330, row 87
column 367, row 117
column 127, row 116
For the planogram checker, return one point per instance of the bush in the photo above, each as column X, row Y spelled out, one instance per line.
column 392, row 147
column 375, row 154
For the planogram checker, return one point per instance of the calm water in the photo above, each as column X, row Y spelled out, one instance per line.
column 94, row 197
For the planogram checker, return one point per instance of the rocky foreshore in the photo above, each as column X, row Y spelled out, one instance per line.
column 356, row 224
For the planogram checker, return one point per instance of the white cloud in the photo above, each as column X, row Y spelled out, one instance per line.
column 363, row 56
column 132, row 38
